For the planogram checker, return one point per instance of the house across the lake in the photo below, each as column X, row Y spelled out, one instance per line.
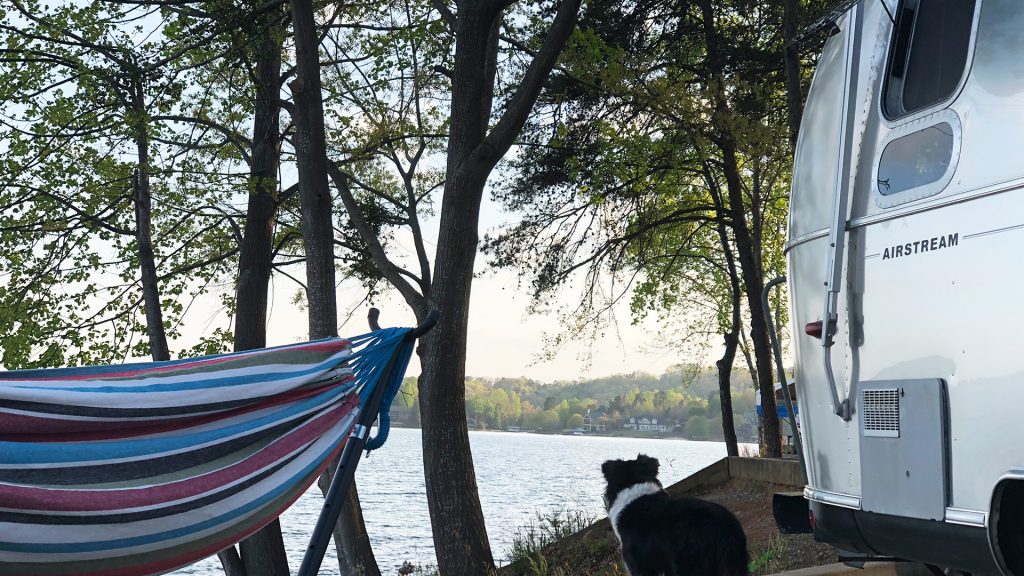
column 647, row 425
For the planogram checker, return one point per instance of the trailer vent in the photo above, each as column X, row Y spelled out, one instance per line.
column 880, row 412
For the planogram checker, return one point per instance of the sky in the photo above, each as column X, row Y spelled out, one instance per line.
column 504, row 339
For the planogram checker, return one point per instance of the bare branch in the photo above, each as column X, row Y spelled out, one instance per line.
column 240, row 142
column 446, row 13
column 388, row 269
column 512, row 121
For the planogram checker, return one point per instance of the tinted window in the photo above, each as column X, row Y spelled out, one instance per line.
column 929, row 53
column 915, row 159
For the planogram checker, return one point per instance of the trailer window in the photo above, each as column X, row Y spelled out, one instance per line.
column 916, row 159
column 931, row 42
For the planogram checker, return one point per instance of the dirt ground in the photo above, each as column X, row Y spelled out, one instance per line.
column 595, row 550
column 770, row 551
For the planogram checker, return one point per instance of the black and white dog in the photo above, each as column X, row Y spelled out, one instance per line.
column 664, row 536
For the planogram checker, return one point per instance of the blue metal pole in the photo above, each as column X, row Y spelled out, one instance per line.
column 350, row 455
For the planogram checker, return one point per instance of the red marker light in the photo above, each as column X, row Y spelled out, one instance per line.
column 813, row 329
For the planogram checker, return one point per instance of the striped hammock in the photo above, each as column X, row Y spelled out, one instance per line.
column 143, row 468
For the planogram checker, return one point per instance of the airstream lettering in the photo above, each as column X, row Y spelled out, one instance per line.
column 911, row 394
column 934, row 243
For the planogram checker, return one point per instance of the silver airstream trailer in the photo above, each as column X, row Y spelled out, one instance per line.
column 906, row 278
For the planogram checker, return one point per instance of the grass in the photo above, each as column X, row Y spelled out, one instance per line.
column 769, row 560
column 545, row 530
column 578, row 549
column 538, row 566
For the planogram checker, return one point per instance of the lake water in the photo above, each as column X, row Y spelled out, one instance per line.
column 519, row 476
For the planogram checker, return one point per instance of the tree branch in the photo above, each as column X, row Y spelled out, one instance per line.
column 446, row 13
column 240, row 142
column 387, row 268
column 512, row 121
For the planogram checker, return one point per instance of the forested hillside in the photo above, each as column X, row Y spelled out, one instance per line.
column 685, row 399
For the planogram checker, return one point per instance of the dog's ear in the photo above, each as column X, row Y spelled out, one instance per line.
column 608, row 468
column 648, row 465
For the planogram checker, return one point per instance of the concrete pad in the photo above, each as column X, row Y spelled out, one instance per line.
column 840, row 569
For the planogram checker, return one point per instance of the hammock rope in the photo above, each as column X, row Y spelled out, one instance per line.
column 140, row 469
column 377, row 358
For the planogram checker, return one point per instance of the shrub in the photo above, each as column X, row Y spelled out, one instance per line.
column 409, row 569
column 546, row 529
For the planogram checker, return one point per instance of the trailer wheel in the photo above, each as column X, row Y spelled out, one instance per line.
column 1006, row 526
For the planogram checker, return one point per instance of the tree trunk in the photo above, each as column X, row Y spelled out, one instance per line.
column 731, row 337
column 724, row 365
column 747, row 251
column 231, row 562
column 747, row 359
column 460, row 536
column 355, row 556
column 311, row 161
column 351, row 540
column 456, row 518
column 263, row 553
column 753, row 279
column 265, row 549
column 144, row 233
column 791, row 56
column 256, row 253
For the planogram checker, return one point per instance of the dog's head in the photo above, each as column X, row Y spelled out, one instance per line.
column 622, row 474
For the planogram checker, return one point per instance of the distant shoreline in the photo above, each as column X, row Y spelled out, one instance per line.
column 606, row 434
